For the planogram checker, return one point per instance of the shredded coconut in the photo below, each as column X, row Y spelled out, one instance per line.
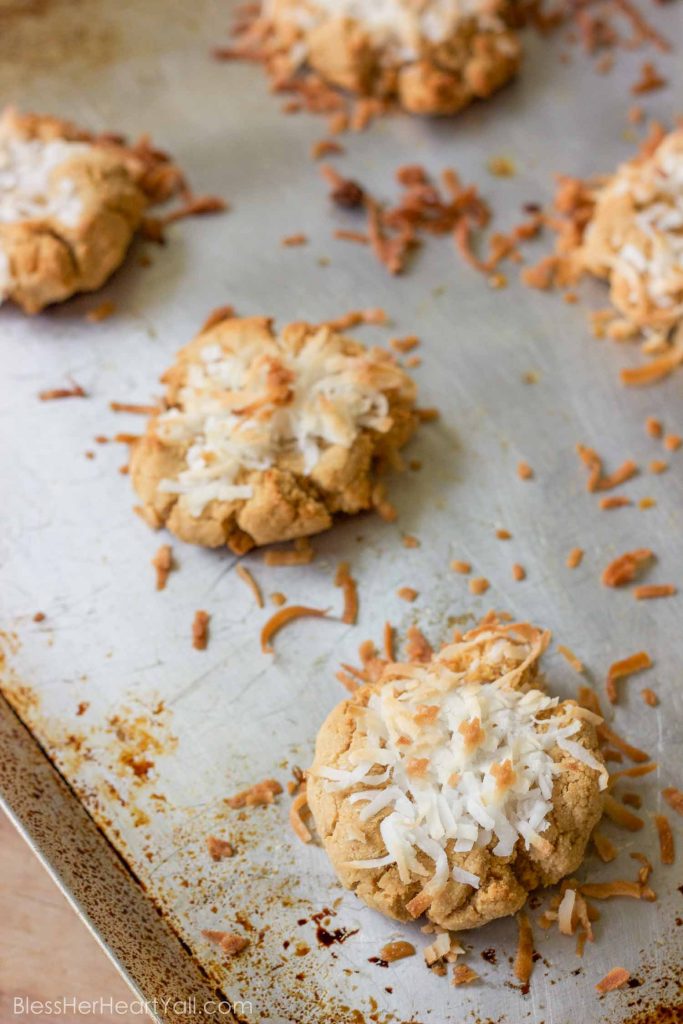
column 241, row 410
column 397, row 26
column 30, row 188
column 646, row 254
column 478, row 767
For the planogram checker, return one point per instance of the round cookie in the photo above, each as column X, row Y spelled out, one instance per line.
column 70, row 204
column 454, row 788
column 634, row 238
column 266, row 436
column 434, row 57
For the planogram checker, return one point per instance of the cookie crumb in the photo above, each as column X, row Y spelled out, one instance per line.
column 291, row 241
column 463, row 975
column 524, row 471
column 518, row 572
column 101, row 312
column 626, row 567
column 39, row 617
column 653, row 427
column 394, row 951
column 409, row 541
column 277, row 598
column 51, row 394
column 407, row 593
column 230, row 942
column 672, row 442
column 259, row 795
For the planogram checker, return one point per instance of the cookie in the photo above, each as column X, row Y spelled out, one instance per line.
column 634, row 238
column 70, row 204
column 433, row 57
column 456, row 787
column 267, row 436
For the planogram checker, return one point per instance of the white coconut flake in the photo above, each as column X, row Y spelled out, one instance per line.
column 31, row 187
column 466, row 877
column 398, row 27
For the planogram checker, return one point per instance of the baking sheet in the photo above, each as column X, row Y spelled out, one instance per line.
column 213, row 722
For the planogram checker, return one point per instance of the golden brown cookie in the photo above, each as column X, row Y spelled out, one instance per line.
column 266, row 436
column 454, row 788
column 634, row 238
column 434, row 57
column 70, row 204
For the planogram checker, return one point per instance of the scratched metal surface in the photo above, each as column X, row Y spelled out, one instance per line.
column 213, row 722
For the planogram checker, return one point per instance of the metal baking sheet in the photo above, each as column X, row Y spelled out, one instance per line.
column 213, row 722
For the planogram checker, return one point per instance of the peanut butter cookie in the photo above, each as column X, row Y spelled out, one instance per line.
column 266, row 436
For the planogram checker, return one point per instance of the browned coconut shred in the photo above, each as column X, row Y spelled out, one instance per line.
column 282, row 618
column 245, row 575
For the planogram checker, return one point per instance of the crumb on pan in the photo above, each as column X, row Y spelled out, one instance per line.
column 617, row 977
column 219, row 848
column 258, row 795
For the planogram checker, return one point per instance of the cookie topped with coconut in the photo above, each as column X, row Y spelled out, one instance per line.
column 267, row 435
column 453, row 788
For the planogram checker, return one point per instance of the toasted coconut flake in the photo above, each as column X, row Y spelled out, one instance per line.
column 75, row 391
column 219, row 848
column 420, row 903
column 622, row 669
column 574, row 558
column 631, row 752
column 394, row 951
column 605, row 848
column 245, row 575
column 230, row 942
column 656, row 369
column 667, row 853
column 612, row 890
column 654, row 590
column 462, row 567
column 282, row 618
column 418, row 647
column 101, row 312
column 569, row 655
column 615, row 501
column 438, row 949
column 464, row 975
column 617, row 977
column 133, row 407
column 524, row 963
column 258, row 795
column 626, row 567
column 345, row 580
column 217, row 316
column 163, row 563
column 296, row 808
column 200, row 630
column 674, row 798
column 292, row 241
column 388, row 641
column 636, row 772
column 621, row 816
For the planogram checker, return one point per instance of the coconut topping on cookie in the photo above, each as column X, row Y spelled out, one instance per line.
column 461, row 761
column 242, row 408
column 398, row 26
column 267, row 434
column 635, row 236
column 34, row 182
